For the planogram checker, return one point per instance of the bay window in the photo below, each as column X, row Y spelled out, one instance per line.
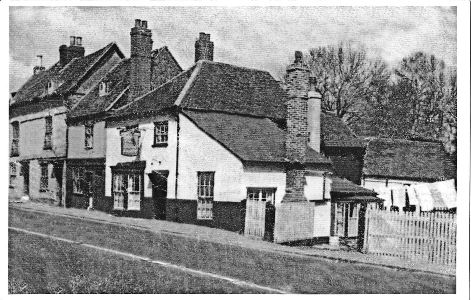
column 127, row 189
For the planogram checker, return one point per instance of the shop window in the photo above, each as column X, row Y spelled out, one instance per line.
column 118, row 191
column 127, row 191
column 134, row 192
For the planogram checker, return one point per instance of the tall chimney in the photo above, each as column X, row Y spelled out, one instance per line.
column 314, row 115
column 39, row 67
column 141, row 51
column 297, row 81
column 204, row 48
column 74, row 50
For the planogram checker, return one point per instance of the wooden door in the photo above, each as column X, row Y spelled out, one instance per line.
column 159, row 194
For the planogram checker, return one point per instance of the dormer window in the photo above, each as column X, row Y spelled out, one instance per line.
column 103, row 89
column 50, row 87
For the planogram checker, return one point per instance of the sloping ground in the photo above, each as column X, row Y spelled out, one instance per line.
column 42, row 265
column 202, row 248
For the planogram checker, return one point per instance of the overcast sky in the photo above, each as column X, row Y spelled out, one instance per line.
column 257, row 37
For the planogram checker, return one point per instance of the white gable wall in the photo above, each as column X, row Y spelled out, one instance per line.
column 199, row 153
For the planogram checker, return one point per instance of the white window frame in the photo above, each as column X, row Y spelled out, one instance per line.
column 204, row 210
column 77, row 179
column 103, row 89
column 266, row 194
column 89, row 136
column 118, row 190
column 134, row 192
column 161, row 133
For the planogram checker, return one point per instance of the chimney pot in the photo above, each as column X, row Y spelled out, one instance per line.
column 137, row 23
column 78, row 41
column 72, row 40
column 144, row 24
column 298, row 57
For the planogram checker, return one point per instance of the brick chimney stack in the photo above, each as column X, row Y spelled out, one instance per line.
column 74, row 50
column 141, row 60
column 297, row 81
column 314, row 115
column 204, row 48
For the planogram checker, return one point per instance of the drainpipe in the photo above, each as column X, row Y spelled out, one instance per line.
column 177, row 154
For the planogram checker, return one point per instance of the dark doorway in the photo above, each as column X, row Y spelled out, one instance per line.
column 25, row 173
column 159, row 193
column 57, row 170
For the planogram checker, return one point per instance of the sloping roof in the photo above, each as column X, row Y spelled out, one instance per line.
column 117, row 80
column 249, row 138
column 67, row 76
column 233, row 89
column 335, row 133
column 345, row 187
column 398, row 158
column 164, row 67
column 156, row 100
column 219, row 87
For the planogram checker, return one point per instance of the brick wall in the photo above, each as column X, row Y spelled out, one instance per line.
column 141, row 59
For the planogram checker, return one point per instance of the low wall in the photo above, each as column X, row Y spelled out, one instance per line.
column 294, row 221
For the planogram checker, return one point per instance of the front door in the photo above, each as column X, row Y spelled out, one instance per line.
column 25, row 172
column 159, row 193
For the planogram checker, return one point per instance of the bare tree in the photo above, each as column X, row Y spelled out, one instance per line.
column 348, row 80
column 432, row 94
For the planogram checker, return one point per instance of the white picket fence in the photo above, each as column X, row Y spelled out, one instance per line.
column 255, row 218
column 420, row 237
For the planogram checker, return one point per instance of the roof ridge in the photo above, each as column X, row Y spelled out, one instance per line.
column 235, row 66
column 196, row 71
column 160, row 86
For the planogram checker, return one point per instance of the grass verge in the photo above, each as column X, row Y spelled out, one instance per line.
column 281, row 271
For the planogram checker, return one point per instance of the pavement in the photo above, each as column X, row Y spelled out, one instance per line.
column 231, row 238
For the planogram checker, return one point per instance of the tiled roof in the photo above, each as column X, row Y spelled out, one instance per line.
column 67, row 76
column 250, row 138
column 344, row 187
column 164, row 66
column 335, row 133
column 227, row 88
column 156, row 100
column 117, row 80
column 398, row 158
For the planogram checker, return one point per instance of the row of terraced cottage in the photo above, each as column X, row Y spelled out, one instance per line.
column 141, row 137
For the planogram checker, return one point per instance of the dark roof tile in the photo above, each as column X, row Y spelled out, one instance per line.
column 398, row 158
column 67, row 76
column 335, row 133
column 250, row 138
column 228, row 88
